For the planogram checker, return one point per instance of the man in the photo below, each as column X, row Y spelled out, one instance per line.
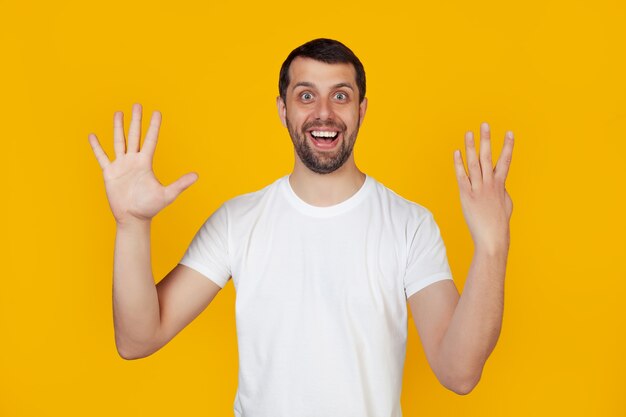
column 323, row 260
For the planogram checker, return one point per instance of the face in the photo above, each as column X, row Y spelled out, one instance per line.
column 322, row 113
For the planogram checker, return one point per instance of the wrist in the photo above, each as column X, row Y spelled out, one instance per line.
column 493, row 244
column 492, row 250
column 133, row 224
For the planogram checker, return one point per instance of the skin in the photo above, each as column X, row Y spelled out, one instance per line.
column 320, row 81
column 458, row 332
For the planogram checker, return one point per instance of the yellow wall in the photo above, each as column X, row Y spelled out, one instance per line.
column 553, row 72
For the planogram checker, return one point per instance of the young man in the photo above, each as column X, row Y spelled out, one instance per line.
column 323, row 260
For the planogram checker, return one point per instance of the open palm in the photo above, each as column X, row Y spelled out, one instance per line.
column 133, row 191
column 487, row 205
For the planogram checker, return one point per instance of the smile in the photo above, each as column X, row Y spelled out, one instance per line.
column 324, row 134
column 324, row 139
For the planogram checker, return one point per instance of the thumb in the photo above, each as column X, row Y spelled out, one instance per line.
column 173, row 190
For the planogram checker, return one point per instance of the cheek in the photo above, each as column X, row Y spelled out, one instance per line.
column 296, row 117
column 352, row 120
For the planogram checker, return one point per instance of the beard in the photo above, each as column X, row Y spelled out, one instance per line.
column 318, row 161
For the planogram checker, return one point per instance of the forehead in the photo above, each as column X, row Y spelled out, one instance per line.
column 320, row 73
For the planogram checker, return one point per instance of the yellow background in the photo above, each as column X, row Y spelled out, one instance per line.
column 553, row 72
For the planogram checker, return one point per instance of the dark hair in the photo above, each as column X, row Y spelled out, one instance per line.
column 325, row 50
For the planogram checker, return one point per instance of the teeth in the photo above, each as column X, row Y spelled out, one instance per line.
column 323, row 134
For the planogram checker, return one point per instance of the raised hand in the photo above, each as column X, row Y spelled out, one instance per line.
column 486, row 204
column 133, row 191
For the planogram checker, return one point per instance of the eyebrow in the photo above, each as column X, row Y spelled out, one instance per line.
column 311, row 85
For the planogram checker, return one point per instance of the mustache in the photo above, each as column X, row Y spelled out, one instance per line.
column 327, row 124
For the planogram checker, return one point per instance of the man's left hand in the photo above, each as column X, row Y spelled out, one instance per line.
column 486, row 204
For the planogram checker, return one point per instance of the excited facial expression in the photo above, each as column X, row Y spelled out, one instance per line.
column 322, row 113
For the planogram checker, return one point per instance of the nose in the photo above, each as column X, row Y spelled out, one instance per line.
column 323, row 110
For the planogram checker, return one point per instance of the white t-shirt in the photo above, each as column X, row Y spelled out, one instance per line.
column 321, row 296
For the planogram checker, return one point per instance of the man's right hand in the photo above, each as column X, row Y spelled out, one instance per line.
column 133, row 191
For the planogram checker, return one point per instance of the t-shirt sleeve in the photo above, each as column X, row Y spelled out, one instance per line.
column 208, row 251
column 427, row 261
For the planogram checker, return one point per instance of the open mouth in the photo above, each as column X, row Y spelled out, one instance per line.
column 324, row 138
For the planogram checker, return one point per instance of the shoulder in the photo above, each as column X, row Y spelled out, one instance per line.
column 398, row 205
column 243, row 203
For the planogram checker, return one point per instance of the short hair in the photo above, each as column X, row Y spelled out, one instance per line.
column 325, row 50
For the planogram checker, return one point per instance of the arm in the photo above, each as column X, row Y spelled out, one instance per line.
column 459, row 333
column 145, row 316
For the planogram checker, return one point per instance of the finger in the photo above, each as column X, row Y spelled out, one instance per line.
column 134, row 131
column 504, row 161
column 461, row 176
column 150, row 142
column 485, row 152
column 101, row 156
column 119, row 141
column 473, row 166
column 173, row 190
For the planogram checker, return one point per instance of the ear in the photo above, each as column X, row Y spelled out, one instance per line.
column 362, row 109
column 282, row 110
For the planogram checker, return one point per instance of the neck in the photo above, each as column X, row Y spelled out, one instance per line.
column 324, row 190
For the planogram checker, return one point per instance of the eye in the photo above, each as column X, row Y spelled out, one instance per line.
column 306, row 96
column 341, row 96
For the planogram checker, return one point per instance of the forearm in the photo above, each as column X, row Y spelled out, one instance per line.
column 475, row 325
column 135, row 300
